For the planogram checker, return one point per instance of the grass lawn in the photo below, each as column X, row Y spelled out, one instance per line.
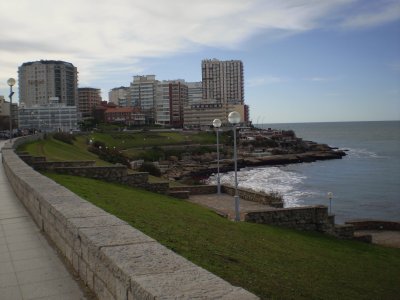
column 123, row 140
column 272, row 262
column 55, row 150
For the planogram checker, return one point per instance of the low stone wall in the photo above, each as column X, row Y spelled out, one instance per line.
column 248, row 195
column 109, row 173
column 196, row 189
column 374, row 225
column 51, row 165
column 115, row 260
column 311, row 218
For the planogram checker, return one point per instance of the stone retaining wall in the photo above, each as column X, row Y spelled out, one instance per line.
column 196, row 189
column 258, row 197
column 115, row 260
column 374, row 225
column 51, row 165
column 310, row 218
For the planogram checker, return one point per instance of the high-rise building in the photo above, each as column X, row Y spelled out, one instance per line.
column 40, row 81
column 119, row 96
column 89, row 98
column 223, row 81
column 142, row 93
column 171, row 96
column 195, row 92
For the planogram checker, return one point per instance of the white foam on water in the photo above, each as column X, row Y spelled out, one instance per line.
column 269, row 179
column 362, row 153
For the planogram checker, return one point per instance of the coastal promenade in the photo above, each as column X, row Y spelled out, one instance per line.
column 30, row 268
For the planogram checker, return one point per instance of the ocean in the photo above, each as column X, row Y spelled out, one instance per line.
column 365, row 184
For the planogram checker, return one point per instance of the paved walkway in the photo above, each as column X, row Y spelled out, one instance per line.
column 29, row 267
column 224, row 204
column 388, row 238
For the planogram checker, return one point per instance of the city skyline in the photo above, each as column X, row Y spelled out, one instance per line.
column 304, row 61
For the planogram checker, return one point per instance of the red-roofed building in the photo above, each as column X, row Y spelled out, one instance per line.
column 126, row 115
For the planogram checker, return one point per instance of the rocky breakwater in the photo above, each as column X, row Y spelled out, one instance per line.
column 204, row 169
column 284, row 159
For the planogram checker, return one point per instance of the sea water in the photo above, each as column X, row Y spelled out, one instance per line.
column 365, row 183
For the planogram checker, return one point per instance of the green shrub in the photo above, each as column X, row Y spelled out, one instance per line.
column 151, row 168
column 107, row 154
column 64, row 137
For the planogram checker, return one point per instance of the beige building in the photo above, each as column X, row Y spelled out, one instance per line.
column 202, row 115
column 89, row 98
column 142, row 94
column 171, row 96
column 39, row 81
column 223, row 80
column 5, row 113
column 195, row 92
column 119, row 96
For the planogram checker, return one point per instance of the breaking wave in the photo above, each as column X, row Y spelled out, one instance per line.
column 269, row 179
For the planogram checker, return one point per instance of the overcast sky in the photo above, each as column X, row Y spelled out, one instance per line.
column 304, row 61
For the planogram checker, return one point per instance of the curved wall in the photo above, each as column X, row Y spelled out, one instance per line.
column 114, row 259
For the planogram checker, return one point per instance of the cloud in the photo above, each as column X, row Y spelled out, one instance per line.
column 261, row 81
column 320, row 79
column 373, row 13
column 103, row 38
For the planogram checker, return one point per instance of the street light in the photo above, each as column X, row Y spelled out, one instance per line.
column 330, row 196
column 234, row 119
column 11, row 83
column 217, row 124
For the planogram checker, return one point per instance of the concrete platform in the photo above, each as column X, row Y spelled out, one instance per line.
column 388, row 238
column 29, row 266
column 224, row 204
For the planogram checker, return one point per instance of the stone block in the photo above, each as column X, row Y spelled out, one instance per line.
column 101, row 290
column 194, row 283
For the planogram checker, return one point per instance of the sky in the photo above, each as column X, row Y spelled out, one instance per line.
column 304, row 60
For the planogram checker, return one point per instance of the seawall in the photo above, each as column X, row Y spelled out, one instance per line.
column 115, row 260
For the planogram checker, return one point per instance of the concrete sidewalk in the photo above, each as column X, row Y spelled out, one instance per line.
column 29, row 267
column 224, row 204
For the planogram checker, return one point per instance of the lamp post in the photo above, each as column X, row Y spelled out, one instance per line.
column 234, row 119
column 217, row 124
column 330, row 196
column 11, row 83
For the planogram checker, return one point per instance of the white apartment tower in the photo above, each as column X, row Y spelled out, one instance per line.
column 118, row 96
column 40, row 81
column 142, row 93
column 195, row 92
column 223, row 81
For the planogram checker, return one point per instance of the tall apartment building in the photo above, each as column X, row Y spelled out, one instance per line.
column 119, row 96
column 171, row 97
column 142, row 93
column 223, row 81
column 195, row 92
column 39, row 81
column 178, row 91
column 88, row 99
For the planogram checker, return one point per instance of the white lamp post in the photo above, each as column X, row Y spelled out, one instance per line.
column 11, row 83
column 234, row 119
column 330, row 196
column 217, row 124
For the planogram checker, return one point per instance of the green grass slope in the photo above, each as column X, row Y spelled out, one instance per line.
column 271, row 262
column 55, row 150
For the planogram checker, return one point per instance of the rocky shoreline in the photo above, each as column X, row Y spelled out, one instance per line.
column 185, row 169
